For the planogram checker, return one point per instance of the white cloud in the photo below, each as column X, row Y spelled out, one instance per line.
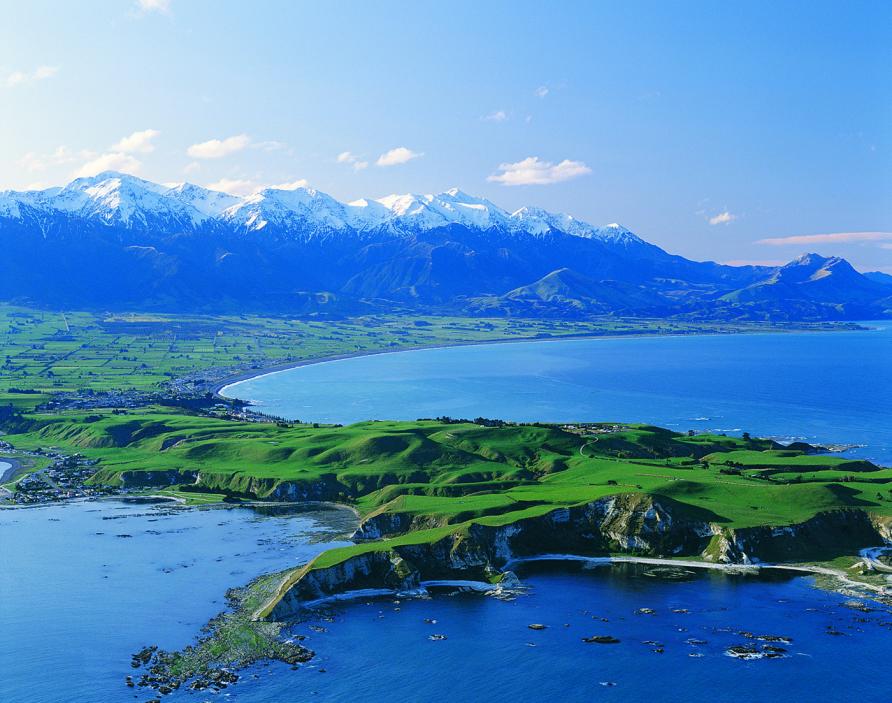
column 35, row 162
column 399, row 155
column 234, row 186
column 832, row 238
column 44, row 72
column 41, row 73
column 650, row 95
column 112, row 161
column 192, row 167
column 146, row 6
column 541, row 91
column 497, row 116
column 293, row 185
column 357, row 162
column 722, row 218
column 217, row 148
column 138, row 142
column 271, row 145
column 533, row 171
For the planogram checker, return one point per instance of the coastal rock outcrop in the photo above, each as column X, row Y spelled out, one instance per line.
column 382, row 525
column 640, row 524
column 373, row 570
column 825, row 535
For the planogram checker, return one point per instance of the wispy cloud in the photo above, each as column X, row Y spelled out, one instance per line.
column 541, row 91
column 497, row 116
column 291, row 185
column 138, row 142
column 91, row 161
column 356, row 162
column 147, row 6
column 833, row 237
column 722, row 218
column 533, row 171
column 41, row 73
column 218, row 148
column 397, row 156
column 111, row 161
column 34, row 162
column 234, row 186
column 271, row 145
column 119, row 156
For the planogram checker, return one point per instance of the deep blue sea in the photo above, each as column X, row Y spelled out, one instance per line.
column 380, row 651
column 84, row 585
column 824, row 387
column 78, row 597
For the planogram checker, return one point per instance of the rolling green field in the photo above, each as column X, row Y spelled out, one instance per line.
column 441, row 474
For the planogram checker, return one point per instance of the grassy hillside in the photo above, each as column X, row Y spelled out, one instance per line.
column 435, row 474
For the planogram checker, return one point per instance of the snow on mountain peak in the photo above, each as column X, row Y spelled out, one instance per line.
column 300, row 206
column 207, row 203
column 538, row 221
column 450, row 207
column 120, row 199
column 617, row 233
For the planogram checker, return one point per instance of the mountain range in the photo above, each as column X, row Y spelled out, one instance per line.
column 114, row 241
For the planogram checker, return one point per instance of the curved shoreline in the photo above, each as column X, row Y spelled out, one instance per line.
column 846, row 585
column 731, row 567
column 220, row 386
column 15, row 465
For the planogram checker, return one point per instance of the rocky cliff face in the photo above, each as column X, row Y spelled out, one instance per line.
column 883, row 525
column 384, row 569
column 383, row 525
column 634, row 523
column 827, row 534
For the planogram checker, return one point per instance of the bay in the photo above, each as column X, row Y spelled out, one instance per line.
column 827, row 387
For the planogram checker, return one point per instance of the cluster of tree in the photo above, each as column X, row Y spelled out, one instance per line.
column 483, row 421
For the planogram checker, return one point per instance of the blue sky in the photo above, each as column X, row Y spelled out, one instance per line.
column 706, row 128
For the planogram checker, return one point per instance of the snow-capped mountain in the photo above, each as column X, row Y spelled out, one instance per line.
column 304, row 210
column 115, row 241
column 117, row 199
column 452, row 207
column 202, row 204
